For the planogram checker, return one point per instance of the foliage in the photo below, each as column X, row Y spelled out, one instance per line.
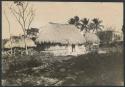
column 74, row 21
column 24, row 15
column 71, row 21
column 96, row 25
column 32, row 33
column 88, row 69
column 86, row 25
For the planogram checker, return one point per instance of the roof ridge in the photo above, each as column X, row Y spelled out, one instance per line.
column 58, row 23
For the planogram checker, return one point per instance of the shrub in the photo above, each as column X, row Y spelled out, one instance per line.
column 23, row 62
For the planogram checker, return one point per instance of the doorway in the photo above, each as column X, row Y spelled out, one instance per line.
column 73, row 48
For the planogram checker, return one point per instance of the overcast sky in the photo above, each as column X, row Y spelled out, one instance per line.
column 111, row 13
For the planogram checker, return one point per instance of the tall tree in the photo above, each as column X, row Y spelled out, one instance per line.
column 75, row 21
column 84, row 24
column 24, row 15
column 96, row 25
column 76, row 18
column 71, row 21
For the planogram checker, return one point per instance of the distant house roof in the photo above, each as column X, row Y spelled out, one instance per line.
column 19, row 42
column 92, row 38
column 60, row 33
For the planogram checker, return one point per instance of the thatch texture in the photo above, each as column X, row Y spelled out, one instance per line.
column 19, row 42
column 92, row 38
column 60, row 33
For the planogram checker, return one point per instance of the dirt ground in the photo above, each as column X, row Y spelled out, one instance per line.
column 89, row 69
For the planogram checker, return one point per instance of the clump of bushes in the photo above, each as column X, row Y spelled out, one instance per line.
column 22, row 66
column 15, row 63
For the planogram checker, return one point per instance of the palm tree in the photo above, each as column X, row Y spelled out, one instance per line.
column 71, row 21
column 91, row 26
column 84, row 25
column 96, row 25
column 76, row 18
column 75, row 21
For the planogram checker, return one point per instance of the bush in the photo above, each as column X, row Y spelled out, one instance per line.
column 24, row 62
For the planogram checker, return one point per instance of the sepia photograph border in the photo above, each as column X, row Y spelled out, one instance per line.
column 123, row 27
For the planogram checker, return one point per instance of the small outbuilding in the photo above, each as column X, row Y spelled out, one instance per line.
column 110, row 36
column 18, row 42
column 92, row 41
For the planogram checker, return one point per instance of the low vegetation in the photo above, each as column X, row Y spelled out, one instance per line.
column 46, row 69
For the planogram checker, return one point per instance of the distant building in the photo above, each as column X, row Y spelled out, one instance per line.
column 18, row 42
column 110, row 36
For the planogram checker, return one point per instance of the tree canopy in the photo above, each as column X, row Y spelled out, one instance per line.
column 87, row 25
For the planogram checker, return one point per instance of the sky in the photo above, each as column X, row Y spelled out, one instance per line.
column 60, row 12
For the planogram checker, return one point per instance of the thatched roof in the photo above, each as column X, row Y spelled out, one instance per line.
column 60, row 33
column 92, row 38
column 19, row 42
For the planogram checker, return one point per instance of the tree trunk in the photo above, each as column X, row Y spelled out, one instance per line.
column 25, row 36
column 26, row 46
column 11, row 43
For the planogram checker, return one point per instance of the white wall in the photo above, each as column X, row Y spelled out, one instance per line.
column 66, row 50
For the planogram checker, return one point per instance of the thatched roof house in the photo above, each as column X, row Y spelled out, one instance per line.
column 60, row 33
column 67, row 35
column 18, row 42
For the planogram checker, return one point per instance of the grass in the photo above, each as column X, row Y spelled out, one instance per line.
column 88, row 69
column 95, row 69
